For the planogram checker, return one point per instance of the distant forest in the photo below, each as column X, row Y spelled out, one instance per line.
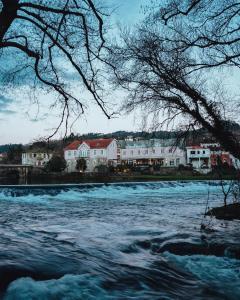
column 5, row 148
column 120, row 135
column 58, row 145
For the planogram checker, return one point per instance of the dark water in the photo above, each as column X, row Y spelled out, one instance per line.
column 129, row 241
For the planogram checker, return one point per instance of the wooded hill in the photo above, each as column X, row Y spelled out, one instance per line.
column 190, row 137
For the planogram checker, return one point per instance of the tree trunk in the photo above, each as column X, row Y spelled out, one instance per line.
column 7, row 16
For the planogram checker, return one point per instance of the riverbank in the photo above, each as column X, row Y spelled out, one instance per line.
column 75, row 178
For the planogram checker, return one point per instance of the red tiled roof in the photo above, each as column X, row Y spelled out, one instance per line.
column 94, row 144
column 98, row 143
column 73, row 146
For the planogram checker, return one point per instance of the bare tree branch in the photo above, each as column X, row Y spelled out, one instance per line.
column 70, row 31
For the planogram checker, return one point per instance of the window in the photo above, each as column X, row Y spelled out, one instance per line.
column 170, row 150
column 139, row 152
column 131, row 152
column 203, row 152
column 177, row 161
column 198, row 152
column 171, row 162
column 34, row 154
column 84, row 153
column 102, row 152
column 75, row 152
column 162, row 150
column 146, row 151
column 95, row 152
column 192, row 152
column 153, row 151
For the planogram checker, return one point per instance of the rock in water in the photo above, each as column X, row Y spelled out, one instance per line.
column 229, row 212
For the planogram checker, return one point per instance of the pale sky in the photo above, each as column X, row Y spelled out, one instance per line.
column 23, row 122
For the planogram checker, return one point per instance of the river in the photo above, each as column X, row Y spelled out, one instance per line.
column 116, row 241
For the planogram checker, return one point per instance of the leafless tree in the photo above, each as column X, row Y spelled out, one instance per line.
column 164, row 63
column 50, row 35
column 209, row 27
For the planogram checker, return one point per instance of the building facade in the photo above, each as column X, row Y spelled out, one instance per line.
column 199, row 157
column 217, row 153
column 36, row 158
column 208, row 155
column 95, row 152
column 152, row 152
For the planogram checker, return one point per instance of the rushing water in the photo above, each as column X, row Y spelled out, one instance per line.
column 120, row 241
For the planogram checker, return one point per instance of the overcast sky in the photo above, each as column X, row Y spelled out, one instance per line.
column 21, row 121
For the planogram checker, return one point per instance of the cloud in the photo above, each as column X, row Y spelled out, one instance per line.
column 8, row 112
column 38, row 119
column 5, row 102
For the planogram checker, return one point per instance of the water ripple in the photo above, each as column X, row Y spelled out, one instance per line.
column 116, row 241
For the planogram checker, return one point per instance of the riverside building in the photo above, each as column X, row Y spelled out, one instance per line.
column 95, row 152
column 36, row 158
column 151, row 152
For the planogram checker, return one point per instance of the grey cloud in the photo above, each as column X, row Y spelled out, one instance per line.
column 4, row 101
column 4, row 104
column 38, row 119
column 8, row 112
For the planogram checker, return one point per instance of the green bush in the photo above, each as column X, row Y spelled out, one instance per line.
column 56, row 164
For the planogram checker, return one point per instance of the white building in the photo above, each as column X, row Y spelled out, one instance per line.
column 152, row 152
column 200, row 158
column 36, row 158
column 95, row 152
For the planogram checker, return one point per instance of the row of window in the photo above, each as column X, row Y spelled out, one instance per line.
column 85, row 153
column 146, row 152
column 163, row 162
column 197, row 152
column 34, row 155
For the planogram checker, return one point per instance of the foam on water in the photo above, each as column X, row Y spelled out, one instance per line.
column 65, row 288
column 101, row 191
column 222, row 272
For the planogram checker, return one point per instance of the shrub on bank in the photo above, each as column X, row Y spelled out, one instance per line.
column 56, row 164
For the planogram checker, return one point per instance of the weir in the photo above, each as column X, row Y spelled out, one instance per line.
column 22, row 171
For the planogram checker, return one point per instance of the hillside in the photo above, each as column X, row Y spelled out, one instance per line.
column 6, row 147
column 192, row 137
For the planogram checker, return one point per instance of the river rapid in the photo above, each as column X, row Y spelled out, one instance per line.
column 116, row 241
